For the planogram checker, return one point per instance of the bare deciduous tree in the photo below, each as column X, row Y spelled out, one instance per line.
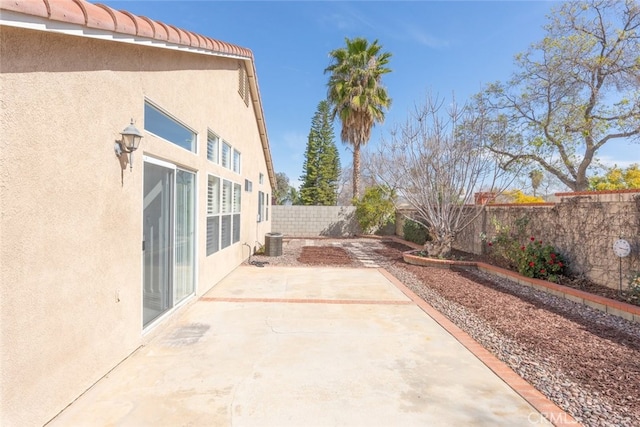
column 345, row 188
column 435, row 162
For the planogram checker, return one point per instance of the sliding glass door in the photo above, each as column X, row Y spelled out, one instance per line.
column 185, row 235
column 168, row 238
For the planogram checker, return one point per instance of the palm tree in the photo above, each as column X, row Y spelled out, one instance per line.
column 536, row 176
column 356, row 93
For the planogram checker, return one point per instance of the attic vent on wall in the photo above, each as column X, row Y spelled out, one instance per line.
column 243, row 83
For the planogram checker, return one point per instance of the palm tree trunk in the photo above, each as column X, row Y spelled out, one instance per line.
column 356, row 171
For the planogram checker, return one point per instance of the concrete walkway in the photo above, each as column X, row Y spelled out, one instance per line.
column 296, row 346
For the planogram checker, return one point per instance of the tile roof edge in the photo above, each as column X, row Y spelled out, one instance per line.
column 81, row 12
column 92, row 16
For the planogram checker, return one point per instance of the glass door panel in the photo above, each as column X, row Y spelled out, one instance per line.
column 185, row 235
column 158, row 241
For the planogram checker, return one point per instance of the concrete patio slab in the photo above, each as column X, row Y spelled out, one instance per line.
column 299, row 346
column 308, row 283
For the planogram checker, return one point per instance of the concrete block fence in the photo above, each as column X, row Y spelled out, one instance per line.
column 314, row 221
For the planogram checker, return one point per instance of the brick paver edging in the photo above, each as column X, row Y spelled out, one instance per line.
column 539, row 401
column 305, row 301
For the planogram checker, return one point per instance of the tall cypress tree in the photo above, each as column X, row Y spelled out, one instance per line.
column 321, row 168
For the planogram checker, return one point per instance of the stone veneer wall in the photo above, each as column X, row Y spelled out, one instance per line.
column 583, row 226
column 314, row 221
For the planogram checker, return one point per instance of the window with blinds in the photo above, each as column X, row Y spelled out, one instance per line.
column 213, row 234
column 227, row 200
column 236, row 161
column 213, row 147
column 225, row 231
column 237, row 203
column 260, row 206
column 224, row 203
column 226, row 155
column 213, row 215
column 222, row 153
column 227, row 197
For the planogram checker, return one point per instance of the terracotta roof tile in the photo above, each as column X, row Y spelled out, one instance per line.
column 146, row 28
column 208, row 43
column 179, row 36
column 200, row 41
column 162, row 31
column 35, row 8
column 126, row 23
column 67, row 11
column 100, row 16
column 172, row 34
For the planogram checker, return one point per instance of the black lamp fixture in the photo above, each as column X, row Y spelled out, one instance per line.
column 129, row 143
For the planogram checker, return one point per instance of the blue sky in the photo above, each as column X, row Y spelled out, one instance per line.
column 440, row 46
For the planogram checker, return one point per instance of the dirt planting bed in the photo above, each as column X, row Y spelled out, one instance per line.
column 324, row 255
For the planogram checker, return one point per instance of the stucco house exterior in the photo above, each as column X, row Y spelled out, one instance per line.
column 98, row 251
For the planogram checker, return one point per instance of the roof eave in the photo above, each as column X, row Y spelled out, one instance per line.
column 262, row 128
column 40, row 18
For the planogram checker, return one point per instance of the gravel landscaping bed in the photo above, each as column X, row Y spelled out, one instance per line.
column 584, row 360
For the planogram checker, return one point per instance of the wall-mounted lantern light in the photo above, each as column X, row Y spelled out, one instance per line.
column 129, row 143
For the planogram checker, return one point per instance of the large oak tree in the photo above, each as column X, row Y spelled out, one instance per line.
column 575, row 91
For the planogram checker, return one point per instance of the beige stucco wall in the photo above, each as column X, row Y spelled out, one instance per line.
column 71, row 218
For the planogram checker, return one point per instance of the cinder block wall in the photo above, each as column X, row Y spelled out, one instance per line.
column 314, row 221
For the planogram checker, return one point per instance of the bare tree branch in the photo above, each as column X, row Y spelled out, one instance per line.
column 435, row 162
column 575, row 90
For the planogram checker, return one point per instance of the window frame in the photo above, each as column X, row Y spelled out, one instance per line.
column 228, row 213
column 213, row 214
column 236, row 165
column 213, row 155
column 170, row 118
column 236, row 212
column 260, row 206
column 226, row 164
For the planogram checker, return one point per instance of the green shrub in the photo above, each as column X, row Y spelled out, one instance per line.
column 540, row 261
column 375, row 208
column 415, row 232
column 506, row 242
column 531, row 259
